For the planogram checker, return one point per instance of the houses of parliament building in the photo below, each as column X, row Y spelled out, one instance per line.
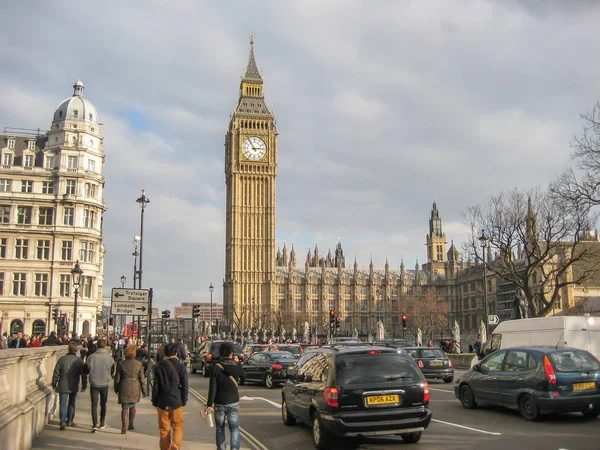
column 266, row 288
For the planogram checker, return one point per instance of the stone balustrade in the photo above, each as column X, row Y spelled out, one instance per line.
column 25, row 389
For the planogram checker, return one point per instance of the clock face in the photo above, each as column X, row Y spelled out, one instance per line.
column 254, row 148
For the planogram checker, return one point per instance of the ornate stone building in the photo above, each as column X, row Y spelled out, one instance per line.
column 51, row 208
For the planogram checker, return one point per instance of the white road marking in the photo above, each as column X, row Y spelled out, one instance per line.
column 466, row 428
column 276, row 405
column 441, row 390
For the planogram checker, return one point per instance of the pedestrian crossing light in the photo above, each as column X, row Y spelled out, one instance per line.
column 166, row 314
column 197, row 311
column 331, row 319
column 337, row 323
column 404, row 321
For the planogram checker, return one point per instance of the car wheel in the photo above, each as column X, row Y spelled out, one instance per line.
column 269, row 382
column 448, row 379
column 287, row 418
column 528, row 408
column 590, row 414
column 321, row 438
column 204, row 370
column 466, row 397
column 411, row 438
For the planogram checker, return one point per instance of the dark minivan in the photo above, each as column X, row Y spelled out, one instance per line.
column 357, row 391
column 207, row 355
column 535, row 380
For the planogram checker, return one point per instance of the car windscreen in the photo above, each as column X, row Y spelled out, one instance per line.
column 574, row 361
column 432, row 353
column 281, row 355
column 214, row 348
column 288, row 348
column 374, row 367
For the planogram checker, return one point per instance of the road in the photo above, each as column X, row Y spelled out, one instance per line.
column 453, row 427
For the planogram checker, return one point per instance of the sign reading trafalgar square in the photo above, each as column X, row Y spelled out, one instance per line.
column 134, row 302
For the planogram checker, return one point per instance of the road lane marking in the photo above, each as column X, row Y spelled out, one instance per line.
column 276, row 405
column 441, row 390
column 466, row 428
column 254, row 442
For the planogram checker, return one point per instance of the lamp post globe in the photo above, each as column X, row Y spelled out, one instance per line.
column 76, row 272
column 484, row 241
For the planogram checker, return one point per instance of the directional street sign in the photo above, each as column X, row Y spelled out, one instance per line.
column 134, row 302
column 493, row 319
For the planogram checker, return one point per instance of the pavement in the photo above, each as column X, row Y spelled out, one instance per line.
column 197, row 435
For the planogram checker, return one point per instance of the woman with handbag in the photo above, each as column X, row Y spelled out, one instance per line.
column 129, row 383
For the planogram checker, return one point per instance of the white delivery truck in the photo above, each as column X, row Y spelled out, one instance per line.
column 556, row 331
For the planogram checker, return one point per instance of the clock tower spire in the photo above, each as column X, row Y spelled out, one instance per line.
column 250, row 171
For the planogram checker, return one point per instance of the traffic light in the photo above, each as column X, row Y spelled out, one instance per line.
column 404, row 321
column 56, row 315
column 332, row 319
column 166, row 314
column 110, row 321
column 337, row 323
column 197, row 311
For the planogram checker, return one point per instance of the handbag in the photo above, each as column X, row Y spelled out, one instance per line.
column 53, row 403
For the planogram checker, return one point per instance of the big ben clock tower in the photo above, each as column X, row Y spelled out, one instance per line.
column 250, row 171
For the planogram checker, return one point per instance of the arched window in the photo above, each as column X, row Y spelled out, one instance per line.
column 16, row 325
column 39, row 327
column 86, row 328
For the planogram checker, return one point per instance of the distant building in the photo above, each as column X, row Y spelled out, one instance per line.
column 186, row 310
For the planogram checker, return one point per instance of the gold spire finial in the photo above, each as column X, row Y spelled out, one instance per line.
column 251, row 37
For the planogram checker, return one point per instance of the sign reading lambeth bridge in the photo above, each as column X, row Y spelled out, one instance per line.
column 133, row 302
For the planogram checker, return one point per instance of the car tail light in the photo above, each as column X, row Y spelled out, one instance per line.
column 449, row 363
column 331, row 396
column 209, row 357
column 549, row 370
column 277, row 366
column 420, row 364
column 373, row 352
column 252, row 354
column 426, row 394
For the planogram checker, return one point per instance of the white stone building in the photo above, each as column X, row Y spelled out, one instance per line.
column 51, row 207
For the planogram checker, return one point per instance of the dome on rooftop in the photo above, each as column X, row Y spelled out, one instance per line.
column 76, row 108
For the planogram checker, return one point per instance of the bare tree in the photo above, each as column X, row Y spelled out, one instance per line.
column 537, row 241
column 583, row 189
column 428, row 312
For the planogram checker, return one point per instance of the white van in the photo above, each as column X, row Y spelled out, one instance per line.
column 557, row 331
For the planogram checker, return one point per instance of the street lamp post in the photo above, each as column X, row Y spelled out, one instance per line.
column 76, row 272
column 211, row 289
column 484, row 241
column 143, row 201
column 136, row 275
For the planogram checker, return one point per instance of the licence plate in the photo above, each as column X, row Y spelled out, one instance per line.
column 437, row 363
column 291, row 368
column 383, row 399
column 584, row 386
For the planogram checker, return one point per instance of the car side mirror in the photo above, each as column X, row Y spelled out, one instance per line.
column 477, row 367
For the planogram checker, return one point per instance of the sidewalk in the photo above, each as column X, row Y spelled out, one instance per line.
column 196, row 435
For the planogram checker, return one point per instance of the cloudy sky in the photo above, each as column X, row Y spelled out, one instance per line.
column 382, row 108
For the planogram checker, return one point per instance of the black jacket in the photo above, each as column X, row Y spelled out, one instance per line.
column 166, row 391
column 222, row 389
column 22, row 343
column 67, row 372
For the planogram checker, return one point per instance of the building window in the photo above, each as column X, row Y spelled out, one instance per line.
column 87, row 252
column 282, row 305
column 11, row 143
column 65, row 285
column 46, row 216
column 315, row 305
column 19, row 280
column 5, row 185
column 348, row 304
column 89, row 190
column 72, row 162
column 41, row 284
column 298, row 305
column 21, row 248
column 1, row 283
column 67, row 251
column 71, row 187
column 24, row 214
column 86, row 283
column 68, row 216
column 364, row 290
column 364, row 305
column 27, row 186
column 4, row 213
column 348, row 290
column 47, row 187
column 89, row 218
column 43, row 249
column 92, row 164
column 298, row 289
column 31, row 145
column 49, row 162
column 28, row 161
column 2, row 248
column 75, row 113
column 7, row 159
column 315, row 290
column 332, row 289
column 282, row 289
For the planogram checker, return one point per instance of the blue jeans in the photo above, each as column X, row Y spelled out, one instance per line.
column 67, row 413
column 232, row 413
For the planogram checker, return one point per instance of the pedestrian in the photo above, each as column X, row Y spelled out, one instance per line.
column 83, row 352
column 35, row 342
column 65, row 380
column 51, row 340
column 169, row 396
column 19, row 341
column 129, row 382
column 224, row 397
column 4, row 340
column 100, row 368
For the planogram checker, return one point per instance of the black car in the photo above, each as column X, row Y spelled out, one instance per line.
column 208, row 354
column 357, row 391
column 270, row 368
column 294, row 349
column 251, row 349
column 535, row 380
column 399, row 343
column 433, row 362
